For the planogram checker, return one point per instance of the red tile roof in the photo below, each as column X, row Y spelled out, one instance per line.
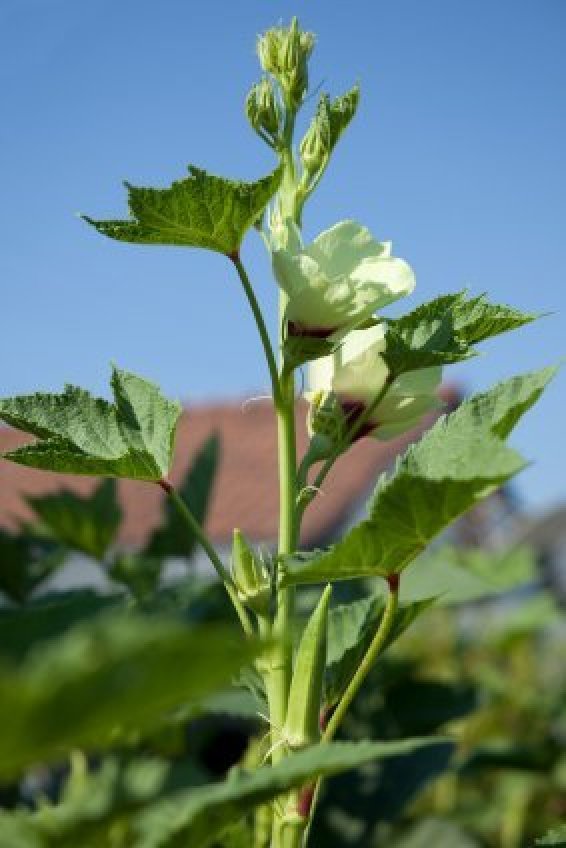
column 245, row 493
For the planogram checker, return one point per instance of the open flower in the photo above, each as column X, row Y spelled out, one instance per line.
column 337, row 282
column 355, row 376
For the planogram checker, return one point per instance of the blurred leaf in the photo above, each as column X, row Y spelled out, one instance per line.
column 95, row 807
column 556, row 837
column 424, row 706
column 459, row 575
column 48, row 618
column 459, row 461
column 351, row 809
column 105, row 679
column 437, row 832
column 139, row 573
column 199, row 211
column 138, row 807
column 173, row 539
column 86, row 524
column 26, row 561
column 80, row 434
column 505, row 754
column 237, row 702
column 351, row 627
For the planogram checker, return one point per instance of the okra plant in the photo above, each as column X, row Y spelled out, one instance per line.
column 367, row 376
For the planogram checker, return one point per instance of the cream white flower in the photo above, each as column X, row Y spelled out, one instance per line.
column 338, row 281
column 357, row 373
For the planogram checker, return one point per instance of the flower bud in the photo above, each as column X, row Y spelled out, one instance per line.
column 268, row 48
column 250, row 575
column 314, row 147
column 261, row 109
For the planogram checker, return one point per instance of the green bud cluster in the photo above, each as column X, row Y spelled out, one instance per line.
column 263, row 111
column 251, row 576
column 284, row 53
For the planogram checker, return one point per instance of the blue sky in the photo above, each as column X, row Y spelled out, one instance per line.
column 457, row 155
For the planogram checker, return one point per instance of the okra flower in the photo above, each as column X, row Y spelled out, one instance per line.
column 347, row 384
column 337, row 282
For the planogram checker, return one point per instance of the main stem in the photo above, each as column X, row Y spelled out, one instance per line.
column 281, row 672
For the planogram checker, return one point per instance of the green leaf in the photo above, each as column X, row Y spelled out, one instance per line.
column 86, row 524
column 556, row 837
column 459, row 461
column 351, row 627
column 445, row 330
column 104, row 680
column 80, row 434
column 199, row 211
column 26, row 561
column 198, row 816
column 173, row 539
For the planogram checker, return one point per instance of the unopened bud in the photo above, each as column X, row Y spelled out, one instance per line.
column 250, row 575
column 261, row 108
column 314, row 147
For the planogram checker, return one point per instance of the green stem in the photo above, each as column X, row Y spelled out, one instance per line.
column 264, row 335
column 372, row 653
column 376, row 647
column 281, row 672
column 204, row 541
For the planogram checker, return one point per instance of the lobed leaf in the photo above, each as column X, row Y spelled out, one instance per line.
column 106, row 679
column 459, row 461
column 445, row 330
column 201, row 210
column 86, row 524
column 80, row 434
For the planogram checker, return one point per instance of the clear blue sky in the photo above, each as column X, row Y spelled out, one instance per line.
column 458, row 156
